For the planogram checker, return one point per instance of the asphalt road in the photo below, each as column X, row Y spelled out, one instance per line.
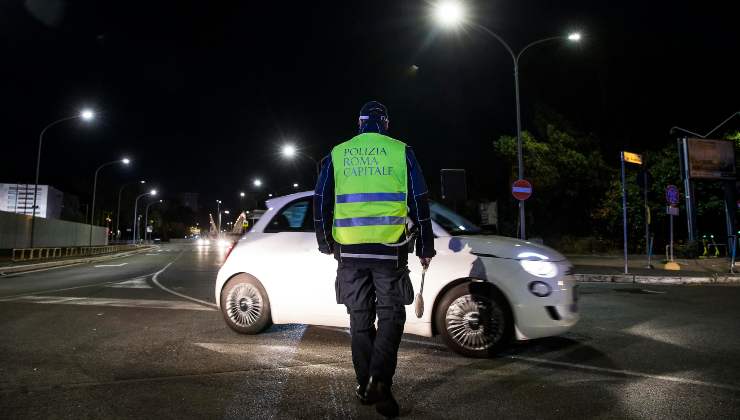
column 108, row 341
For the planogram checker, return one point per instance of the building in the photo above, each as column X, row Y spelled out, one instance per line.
column 18, row 198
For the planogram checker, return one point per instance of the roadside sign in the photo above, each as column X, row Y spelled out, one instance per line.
column 672, row 195
column 672, row 210
column 521, row 189
column 630, row 157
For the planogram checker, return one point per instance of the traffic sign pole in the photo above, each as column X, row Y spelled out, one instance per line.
column 624, row 214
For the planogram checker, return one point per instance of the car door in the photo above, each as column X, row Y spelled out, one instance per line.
column 307, row 276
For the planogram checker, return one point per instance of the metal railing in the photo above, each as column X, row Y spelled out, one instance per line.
column 31, row 254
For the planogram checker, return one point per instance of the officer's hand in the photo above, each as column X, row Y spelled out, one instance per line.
column 425, row 261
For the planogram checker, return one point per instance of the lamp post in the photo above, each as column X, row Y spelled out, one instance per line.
column 218, row 211
column 85, row 115
column 118, row 211
column 289, row 151
column 450, row 14
column 135, row 226
column 146, row 217
column 125, row 161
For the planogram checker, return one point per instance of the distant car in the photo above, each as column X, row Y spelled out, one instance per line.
column 480, row 291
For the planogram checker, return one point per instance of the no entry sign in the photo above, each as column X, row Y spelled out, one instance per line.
column 521, row 189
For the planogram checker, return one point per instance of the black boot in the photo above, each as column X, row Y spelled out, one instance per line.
column 379, row 393
column 360, row 393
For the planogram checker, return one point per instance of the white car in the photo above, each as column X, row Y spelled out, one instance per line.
column 479, row 293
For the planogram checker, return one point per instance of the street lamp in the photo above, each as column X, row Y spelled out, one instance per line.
column 257, row 182
column 135, row 226
column 124, row 161
column 218, row 211
column 452, row 14
column 118, row 211
column 146, row 217
column 295, row 185
column 85, row 115
column 289, row 151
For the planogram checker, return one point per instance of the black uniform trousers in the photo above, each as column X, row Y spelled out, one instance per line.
column 368, row 289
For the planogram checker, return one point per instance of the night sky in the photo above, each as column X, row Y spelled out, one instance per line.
column 201, row 94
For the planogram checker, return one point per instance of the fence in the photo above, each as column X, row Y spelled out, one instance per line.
column 15, row 232
column 29, row 254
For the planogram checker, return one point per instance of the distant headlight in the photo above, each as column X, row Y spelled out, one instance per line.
column 200, row 242
column 223, row 243
column 537, row 265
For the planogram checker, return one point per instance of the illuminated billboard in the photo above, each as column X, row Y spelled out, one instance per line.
column 711, row 159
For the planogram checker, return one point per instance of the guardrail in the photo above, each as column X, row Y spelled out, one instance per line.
column 29, row 254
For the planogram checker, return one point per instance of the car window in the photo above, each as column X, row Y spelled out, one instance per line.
column 294, row 217
column 452, row 222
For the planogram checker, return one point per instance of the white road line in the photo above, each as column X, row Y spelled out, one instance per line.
column 124, row 303
column 111, row 265
column 11, row 297
column 621, row 372
column 627, row 373
column 137, row 283
column 151, row 254
column 158, row 284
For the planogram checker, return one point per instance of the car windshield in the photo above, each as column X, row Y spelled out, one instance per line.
column 452, row 222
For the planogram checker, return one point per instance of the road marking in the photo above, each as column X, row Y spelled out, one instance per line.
column 11, row 297
column 622, row 372
column 151, row 254
column 158, row 284
column 137, row 283
column 124, row 303
column 111, row 265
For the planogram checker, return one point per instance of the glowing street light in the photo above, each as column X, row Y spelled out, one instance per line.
column 124, row 161
column 85, row 115
column 449, row 14
column 135, row 226
column 257, row 182
column 288, row 150
column 295, row 185
column 241, row 194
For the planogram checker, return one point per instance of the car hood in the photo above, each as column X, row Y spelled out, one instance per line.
column 504, row 247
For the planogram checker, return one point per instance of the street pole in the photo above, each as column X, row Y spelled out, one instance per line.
column 519, row 146
column 647, row 218
column 118, row 212
column 38, row 169
column 135, row 225
column 146, row 217
column 520, row 158
column 95, row 189
column 218, row 211
column 624, row 213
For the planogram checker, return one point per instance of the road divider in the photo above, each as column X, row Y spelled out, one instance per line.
column 644, row 279
column 49, row 265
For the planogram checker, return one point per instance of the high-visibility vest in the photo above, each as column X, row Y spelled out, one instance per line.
column 369, row 190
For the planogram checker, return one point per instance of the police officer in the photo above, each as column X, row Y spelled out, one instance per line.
column 368, row 187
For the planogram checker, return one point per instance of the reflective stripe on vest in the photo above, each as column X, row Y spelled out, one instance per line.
column 370, row 190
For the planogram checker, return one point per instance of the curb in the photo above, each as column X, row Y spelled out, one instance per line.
column 54, row 264
column 637, row 279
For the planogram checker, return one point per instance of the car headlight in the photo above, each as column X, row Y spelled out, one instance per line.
column 537, row 265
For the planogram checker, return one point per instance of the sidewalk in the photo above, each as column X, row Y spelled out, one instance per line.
column 610, row 268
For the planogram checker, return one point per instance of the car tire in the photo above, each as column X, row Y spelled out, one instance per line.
column 245, row 305
column 474, row 319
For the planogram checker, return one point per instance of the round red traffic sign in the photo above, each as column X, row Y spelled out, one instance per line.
column 521, row 189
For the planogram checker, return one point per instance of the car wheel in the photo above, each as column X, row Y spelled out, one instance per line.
column 474, row 320
column 245, row 305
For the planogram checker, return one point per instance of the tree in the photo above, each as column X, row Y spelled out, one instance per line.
column 568, row 173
